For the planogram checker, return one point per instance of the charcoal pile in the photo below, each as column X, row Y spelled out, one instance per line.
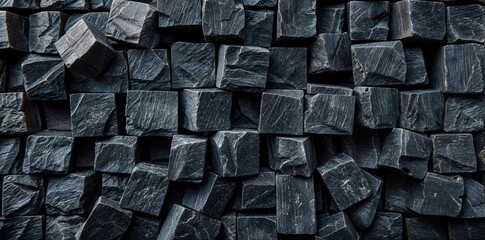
column 242, row 119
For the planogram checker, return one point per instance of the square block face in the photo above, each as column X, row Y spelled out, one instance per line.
column 469, row 28
column 10, row 156
column 48, row 153
column 42, row 36
column 416, row 73
column 22, row 195
column 282, row 112
column 116, row 155
column 149, row 69
column 472, row 107
column 329, row 114
column 187, row 158
column 287, row 68
column 422, row 110
column 256, row 227
column 44, row 78
column 259, row 192
column 289, row 28
column 57, row 227
column 179, row 15
column 193, row 65
column 17, row 115
column 222, row 21
column 113, row 185
column 295, row 156
column 453, row 153
column 368, row 21
column 13, row 28
column 93, row 115
column 330, row 18
column 330, row 53
column 377, row 108
column 258, row 29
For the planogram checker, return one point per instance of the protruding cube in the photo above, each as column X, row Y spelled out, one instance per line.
column 44, row 78
column 422, row 110
column 362, row 213
column 329, row 114
column 364, row 146
column 250, row 226
column 288, row 27
column 282, row 112
column 336, row 226
column 465, row 23
column 94, row 115
column 416, row 73
column 330, row 18
column 464, row 114
column 258, row 29
column 118, row 154
column 48, row 152
column 179, row 15
column 45, row 28
column 62, row 227
column 453, row 153
column 14, row 28
column 377, row 107
column 193, row 65
column 17, row 114
column 368, row 20
column 330, row 53
column 222, row 21
column 292, row 155
column 287, row 68
column 22, row 195
column 187, row 158
column 149, row 69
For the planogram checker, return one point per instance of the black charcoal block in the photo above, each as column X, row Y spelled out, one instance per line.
column 22, row 195
column 93, row 115
column 142, row 228
column 193, row 65
column 416, row 73
column 362, row 213
column 149, row 69
column 48, row 152
column 70, row 194
column 45, row 28
column 179, row 15
column 474, row 200
column 466, row 229
column 258, row 192
column 44, row 78
column 396, row 193
column 364, row 146
column 18, row 115
column 3, row 74
column 97, row 20
column 464, row 114
column 62, row 227
column 22, row 227
column 187, row 158
column 118, row 154
column 329, row 114
column 459, row 68
column 228, row 229
column 10, row 156
column 379, row 63
column 465, row 23
column 222, row 20
column 13, row 29
column 281, row 112
column 330, row 18
column 479, row 143
column 151, row 113
column 418, row 20
column 260, row 3
column 242, row 68
column 235, row 153
column 318, row 88
column 287, row 68
column 146, row 189
column 70, row 5
column 258, row 28
column 330, row 53
column 256, row 226
column 424, row 228
column 453, row 153
column 288, row 27
column 422, row 110
column 336, row 226
column 133, row 24
column 295, row 205
column 183, row 223
column 295, row 156
column 368, row 20
column 437, row 195
column 205, row 110
column 107, row 220
column 386, row 225
column 377, row 107
column 245, row 110
column 113, row 185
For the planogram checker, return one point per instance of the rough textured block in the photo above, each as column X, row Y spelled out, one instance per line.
column 424, row 228
column 479, row 143
column 422, row 110
column 242, row 68
column 289, row 28
column 379, row 63
column 62, row 227
column 149, row 69
column 97, row 20
column 118, row 154
column 317, row 88
column 17, row 114
column 187, row 158
column 329, row 114
column 222, row 20
column 287, row 68
column 228, row 226
column 245, row 110
column 142, row 228
column 416, row 73
column 93, row 115
column 474, row 200
column 465, row 23
column 330, row 18
column 235, row 153
column 453, row 153
column 464, row 114
column 13, row 29
column 193, row 65
column 362, row 213
column 113, row 186
column 295, row 156
column 258, row 28
column 281, row 112
column 70, row 5
column 396, row 192
column 48, row 152
column 336, row 226
column 259, row 3
column 44, row 78
column 250, row 226
column 368, row 21
column 100, row 5
column 206, row 110
column 45, row 28
column 330, row 52
column 179, row 16
column 10, row 156
column 19, row 4
column 386, row 225
column 377, row 107
column 364, row 146
column 22, row 227
column 22, row 195
column 257, row 192
column 150, row 113
column 466, row 229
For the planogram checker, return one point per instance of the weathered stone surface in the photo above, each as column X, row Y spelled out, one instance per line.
column 345, row 181
column 368, row 20
column 295, row 205
column 235, row 153
column 465, row 23
column 453, row 153
column 422, row 110
column 70, row 5
column 418, row 20
column 62, row 227
column 329, row 114
column 133, row 24
column 416, row 73
column 377, row 107
column 479, row 143
column 242, row 68
column 437, row 195
column 17, row 114
column 19, row 4
column 93, row 115
column 281, row 112
column 330, row 18
column 424, row 228
column 113, row 186
column 386, row 225
column 150, row 113
column 13, row 29
column 295, row 156
column 260, row 3
column 474, row 200
column 288, row 27
column 362, row 213
column 187, row 158
column 45, row 28
column 57, row 115
column 396, row 192
column 149, row 69
column 287, row 68
column 106, row 214
column 22, row 195
column 22, row 227
column 193, row 65
column 317, row 88
column 13, row 72
column 97, row 20
column 206, row 110
column 228, row 226
column 146, row 189
column 100, row 5
column 336, row 226
column 251, row 226
column 44, row 78
column 142, row 228
column 379, row 63
column 179, row 15
column 257, row 192
column 245, row 110
column 258, row 28
column 10, row 156
column 222, row 20
column 118, row 154
column 364, row 146
column 466, row 229
column 330, row 52
column 464, row 114
column 48, row 152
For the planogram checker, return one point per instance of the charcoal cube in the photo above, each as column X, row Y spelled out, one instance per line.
column 14, row 30
column 228, row 226
column 466, row 228
column 424, row 228
column 465, row 23
column 257, row 192
column 386, row 225
column 235, row 153
column 245, row 110
column 317, row 88
column 22, row 195
column 149, row 69
column 251, row 226
column 287, row 68
column 179, row 15
column 113, row 186
column 364, row 146
column 70, row 5
column 22, row 227
column 100, row 5
column 48, row 152
column 422, row 110
column 97, row 20
column 142, row 228
column 474, row 200
column 187, row 158
column 10, row 156
column 44, row 30
column 118, row 154
column 222, row 21
column 44, row 78
column 288, row 27
column 281, row 112
column 260, row 3
column 23, row 4
column 93, row 115
column 330, row 53
column 242, row 68
column 396, row 192
column 17, row 114
column 377, row 107
column 368, row 20
column 479, row 143
column 206, row 110
column 62, row 227
column 416, row 73
column 453, row 153
column 258, row 28
column 295, row 156
column 362, row 213
column 151, row 113
column 330, row 18
column 464, row 114
column 193, row 65
column 329, row 114
column 336, row 226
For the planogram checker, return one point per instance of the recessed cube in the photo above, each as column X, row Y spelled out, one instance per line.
column 187, row 158
column 386, row 225
column 281, row 112
column 44, row 30
column 179, row 15
column 70, row 194
column 143, row 228
column 258, row 29
column 329, row 114
column 288, row 27
column 48, row 152
column 437, row 195
column 396, row 192
column 222, row 21
column 235, row 153
column 317, row 88
column 465, row 23
column 93, row 115
column 474, row 200
column 418, row 20
column 62, row 227
column 113, row 185
column 10, row 156
column 133, row 23
column 464, row 114
column 416, row 73
column 70, row 5
column 368, row 21
column 330, row 53
column 13, row 34
column 459, row 68
column 242, row 68
column 97, row 19
column 22, row 195
column 377, row 107
column 330, row 18
column 259, row 3
column 424, row 228
column 257, row 192
column 23, row 227
column 14, row 79
column 422, row 110
column 379, row 63
column 17, row 114
column 193, row 65
column 292, row 155
column 465, row 228
column 453, row 153
column 336, row 226
column 44, row 78
column 149, row 69
column 151, row 113
column 118, row 154
column 250, row 226
column 287, row 68
column 364, row 146
column 57, row 115
column 206, row 110
column 245, row 110
column 479, row 143
column 228, row 226
column 146, row 189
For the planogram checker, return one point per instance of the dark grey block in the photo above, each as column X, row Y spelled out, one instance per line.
column 465, row 23
column 368, row 20
column 245, row 110
column 22, row 227
column 362, row 213
column 281, row 112
column 330, row 52
column 364, row 146
column 295, row 156
column 93, row 115
column 474, row 200
column 62, row 227
column 329, row 114
column 22, row 195
column 242, row 68
column 179, row 16
column 222, row 21
column 424, row 228
column 317, row 88
column 142, row 228
column 386, row 225
column 257, row 192
column 17, row 114
column 396, row 193
column 479, row 143
column 45, row 28
column 152, row 113
column 100, row 5
column 330, row 18
column 48, row 152
column 44, row 78
column 379, row 63
column 287, row 68
column 289, row 28
column 97, row 20
column 422, row 110
column 453, row 153
column 464, row 114
column 187, row 158
column 336, row 226
column 118, row 154
column 251, row 226
column 193, row 65
column 149, row 69
column 260, row 3
column 258, row 28
column 10, row 156
column 235, row 153
column 377, row 107
column 228, row 226
column 19, row 4
column 13, row 29
column 70, row 5
column 205, row 110
column 15, row 81
column 416, row 73
column 113, row 186
column 466, row 229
